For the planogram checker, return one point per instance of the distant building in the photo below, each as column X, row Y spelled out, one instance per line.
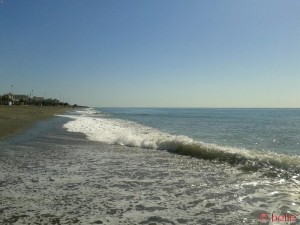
column 37, row 99
column 20, row 99
column 7, row 99
column 10, row 99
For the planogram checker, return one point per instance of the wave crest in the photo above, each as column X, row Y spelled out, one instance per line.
column 121, row 132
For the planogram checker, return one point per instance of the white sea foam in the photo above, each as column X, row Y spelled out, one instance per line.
column 128, row 133
column 98, row 127
column 115, row 131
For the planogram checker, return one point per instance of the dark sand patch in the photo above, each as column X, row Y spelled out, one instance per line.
column 15, row 118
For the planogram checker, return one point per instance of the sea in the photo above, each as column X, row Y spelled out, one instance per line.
column 154, row 166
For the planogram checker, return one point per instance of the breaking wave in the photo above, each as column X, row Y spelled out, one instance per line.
column 128, row 133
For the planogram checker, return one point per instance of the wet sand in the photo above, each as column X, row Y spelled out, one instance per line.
column 14, row 119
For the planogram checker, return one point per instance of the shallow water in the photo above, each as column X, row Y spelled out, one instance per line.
column 51, row 176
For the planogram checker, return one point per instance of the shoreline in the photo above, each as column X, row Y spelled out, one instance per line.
column 52, row 176
column 15, row 119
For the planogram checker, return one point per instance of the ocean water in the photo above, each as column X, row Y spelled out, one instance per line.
column 251, row 138
column 154, row 166
column 275, row 130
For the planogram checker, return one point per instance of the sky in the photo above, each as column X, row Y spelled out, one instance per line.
column 153, row 53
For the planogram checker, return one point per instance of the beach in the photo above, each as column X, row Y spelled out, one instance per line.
column 50, row 175
column 16, row 118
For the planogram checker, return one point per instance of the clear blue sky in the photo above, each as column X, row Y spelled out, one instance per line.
column 153, row 53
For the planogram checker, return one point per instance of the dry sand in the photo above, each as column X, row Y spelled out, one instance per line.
column 15, row 118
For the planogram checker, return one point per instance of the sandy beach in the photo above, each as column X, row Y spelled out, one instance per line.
column 52, row 176
column 16, row 118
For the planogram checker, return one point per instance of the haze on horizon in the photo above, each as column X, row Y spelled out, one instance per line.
column 153, row 53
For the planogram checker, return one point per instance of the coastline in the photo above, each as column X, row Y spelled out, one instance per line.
column 60, row 177
column 52, row 176
column 14, row 119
